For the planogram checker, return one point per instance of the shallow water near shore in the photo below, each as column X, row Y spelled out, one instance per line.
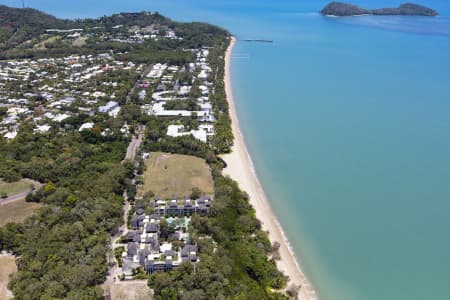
column 347, row 121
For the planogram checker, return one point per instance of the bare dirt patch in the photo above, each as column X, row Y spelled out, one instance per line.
column 17, row 211
column 80, row 41
column 131, row 290
column 7, row 268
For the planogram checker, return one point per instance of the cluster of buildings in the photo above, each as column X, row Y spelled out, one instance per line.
column 146, row 247
column 118, row 33
column 138, row 34
column 141, row 34
column 111, row 107
column 201, row 134
column 48, row 91
column 168, row 88
column 181, row 207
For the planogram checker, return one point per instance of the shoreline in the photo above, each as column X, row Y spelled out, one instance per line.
column 240, row 168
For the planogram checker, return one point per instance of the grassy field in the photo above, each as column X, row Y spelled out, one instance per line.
column 16, row 211
column 131, row 291
column 15, row 187
column 8, row 267
column 170, row 175
column 41, row 45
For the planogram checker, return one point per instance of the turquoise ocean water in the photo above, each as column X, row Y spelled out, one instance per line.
column 348, row 124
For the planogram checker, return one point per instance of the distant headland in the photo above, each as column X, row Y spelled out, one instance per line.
column 340, row 9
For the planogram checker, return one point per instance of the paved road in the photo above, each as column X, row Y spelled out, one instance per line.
column 21, row 195
column 134, row 145
column 16, row 197
column 141, row 76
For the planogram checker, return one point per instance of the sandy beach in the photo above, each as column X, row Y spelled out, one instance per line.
column 240, row 168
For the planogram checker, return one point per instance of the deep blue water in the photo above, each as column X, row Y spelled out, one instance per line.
column 347, row 121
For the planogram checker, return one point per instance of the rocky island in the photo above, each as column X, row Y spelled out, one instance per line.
column 340, row 9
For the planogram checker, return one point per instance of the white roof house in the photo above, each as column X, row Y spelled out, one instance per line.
column 158, row 96
column 157, row 71
column 17, row 110
column 184, row 90
column 88, row 125
column 98, row 94
column 60, row 117
column 10, row 135
column 11, row 119
column 203, row 75
column 207, row 128
column 165, row 247
column 42, row 128
column 173, row 113
column 109, row 106
column 175, row 130
column 178, row 130
column 114, row 112
column 199, row 135
column 206, row 107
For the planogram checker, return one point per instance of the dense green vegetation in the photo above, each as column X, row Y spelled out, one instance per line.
column 19, row 25
column 62, row 249
column 22, row 29
column 223, row 138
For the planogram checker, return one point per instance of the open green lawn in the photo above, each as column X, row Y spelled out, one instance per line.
column 170, row 175
column 15, row 187
column 16, row 212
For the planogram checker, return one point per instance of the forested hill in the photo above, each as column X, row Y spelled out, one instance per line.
column 407, row 9
column 14, row 17
column 18, row 25
column 24, row 32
